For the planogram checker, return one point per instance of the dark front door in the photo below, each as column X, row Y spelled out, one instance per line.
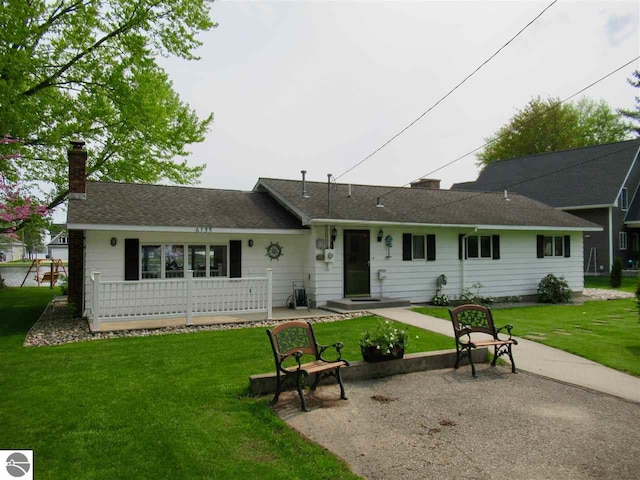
column 356, row 263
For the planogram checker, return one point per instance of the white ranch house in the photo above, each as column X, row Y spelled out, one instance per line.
column 151, row 254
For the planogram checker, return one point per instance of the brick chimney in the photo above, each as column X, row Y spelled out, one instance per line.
column 77, row 170
column 426, row 183
column 77, row 191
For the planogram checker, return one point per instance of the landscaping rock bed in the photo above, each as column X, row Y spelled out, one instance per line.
column 56, row 327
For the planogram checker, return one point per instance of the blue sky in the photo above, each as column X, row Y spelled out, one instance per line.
column 320, row 85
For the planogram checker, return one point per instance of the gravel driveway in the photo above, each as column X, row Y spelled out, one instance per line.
column 445, row 424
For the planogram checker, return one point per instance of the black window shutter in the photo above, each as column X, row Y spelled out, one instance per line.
column 540, row 245
column 567, row 245
column 235, row 258
column 431, row 247
column 495, row 240
column 406, row 246
column 461, row 246
column 131, row 259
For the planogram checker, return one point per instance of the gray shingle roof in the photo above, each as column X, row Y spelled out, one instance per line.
column 170, row 206
column 416, row 205
column 570, row 178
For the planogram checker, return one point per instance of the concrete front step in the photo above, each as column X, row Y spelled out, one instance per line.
column 412, row 362
column 368, row 303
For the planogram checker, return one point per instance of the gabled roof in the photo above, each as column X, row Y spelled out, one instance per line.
column 590, row 176
column 128, row 204
column 417, row 206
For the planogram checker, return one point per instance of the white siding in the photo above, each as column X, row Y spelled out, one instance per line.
column 109, row 261
column 516, row 273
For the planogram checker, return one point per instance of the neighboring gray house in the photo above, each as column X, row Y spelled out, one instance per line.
column 597, row 183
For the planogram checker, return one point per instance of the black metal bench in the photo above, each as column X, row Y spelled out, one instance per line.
column 477, row 320
column 292, row 341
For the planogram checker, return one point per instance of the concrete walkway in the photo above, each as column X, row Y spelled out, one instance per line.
column 539, row 359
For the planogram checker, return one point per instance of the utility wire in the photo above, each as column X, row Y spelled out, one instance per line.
column 534, row 117
column 446, row 95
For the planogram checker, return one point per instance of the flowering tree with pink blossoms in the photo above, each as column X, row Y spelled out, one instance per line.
column 15, row 209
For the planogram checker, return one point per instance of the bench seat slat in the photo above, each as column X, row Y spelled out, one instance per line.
column 490, row 343
column 317, row 366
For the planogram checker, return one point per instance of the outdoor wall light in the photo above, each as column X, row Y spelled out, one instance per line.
column 250, row 243
column 380, row 235
column 114, row 241
column 334, row 234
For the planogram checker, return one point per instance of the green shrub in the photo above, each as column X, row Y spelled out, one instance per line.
column 615, row 279
column 552, row 289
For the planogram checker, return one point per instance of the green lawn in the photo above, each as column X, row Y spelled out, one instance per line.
column 173, row 406
column 629, row 284
column 606, row 332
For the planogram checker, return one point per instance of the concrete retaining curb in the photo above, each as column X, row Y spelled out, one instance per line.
column 413, row 362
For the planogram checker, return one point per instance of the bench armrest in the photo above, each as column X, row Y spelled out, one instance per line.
column 508, row 327
column 338, row 347
column 297, row 355
column 464, row 330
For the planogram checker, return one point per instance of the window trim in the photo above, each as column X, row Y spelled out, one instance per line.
column 488, row 238
column 623, row 241
column 624, row 199
column 185, row 247
column 428, row 241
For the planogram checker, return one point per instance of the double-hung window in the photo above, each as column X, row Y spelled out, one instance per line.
column 624, row 199
column 553, row 246
column 418, row 247
column 622, row 238
column 479, row 246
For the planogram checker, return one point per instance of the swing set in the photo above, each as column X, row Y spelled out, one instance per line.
column 48, row 276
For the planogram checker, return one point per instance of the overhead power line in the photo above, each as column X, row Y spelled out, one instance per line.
column 447, row 94
column 533, row 117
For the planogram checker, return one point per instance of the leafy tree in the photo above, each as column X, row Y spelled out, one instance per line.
column 633, row 115
column 549, row 125
column 87, row 69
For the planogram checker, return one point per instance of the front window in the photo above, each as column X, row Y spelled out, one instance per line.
column 418, row 247
column 168, row 261
column 218, row 261
column 198, row 260
column 151, row 261
column 174, row 261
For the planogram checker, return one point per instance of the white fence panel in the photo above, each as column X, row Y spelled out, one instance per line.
column 188, row 297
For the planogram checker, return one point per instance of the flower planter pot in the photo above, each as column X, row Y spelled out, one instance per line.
column 372, row 354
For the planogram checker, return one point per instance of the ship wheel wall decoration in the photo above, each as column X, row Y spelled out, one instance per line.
column 274, row 251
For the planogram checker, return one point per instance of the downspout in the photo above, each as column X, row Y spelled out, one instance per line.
column 610, row 238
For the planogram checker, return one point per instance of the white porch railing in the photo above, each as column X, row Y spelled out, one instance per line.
column 175, row 298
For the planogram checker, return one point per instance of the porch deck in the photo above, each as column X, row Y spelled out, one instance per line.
column 279, row 313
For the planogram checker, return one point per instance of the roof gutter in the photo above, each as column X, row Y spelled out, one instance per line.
column 330, row 221
column 194, row 229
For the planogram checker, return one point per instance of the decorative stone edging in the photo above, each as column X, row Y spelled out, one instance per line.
column 56, row 327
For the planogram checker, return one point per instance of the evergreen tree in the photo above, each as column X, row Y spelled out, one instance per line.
column 633, row 114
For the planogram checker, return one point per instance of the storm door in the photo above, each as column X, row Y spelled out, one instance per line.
column 356, row 263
